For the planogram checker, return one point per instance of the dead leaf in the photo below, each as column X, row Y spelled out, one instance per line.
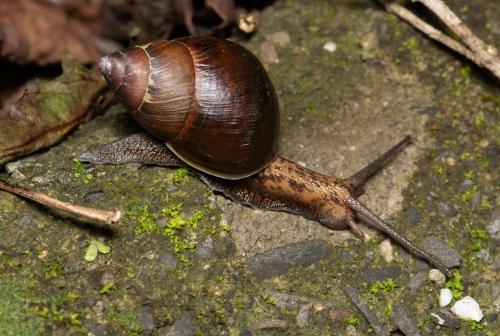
column 43, row 115
column 154, row 19
column 35, row 31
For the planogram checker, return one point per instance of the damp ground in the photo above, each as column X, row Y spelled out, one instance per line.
column 352, row 80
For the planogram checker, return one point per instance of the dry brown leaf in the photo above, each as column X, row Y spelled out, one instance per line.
column 35, row 31
column 46, row 112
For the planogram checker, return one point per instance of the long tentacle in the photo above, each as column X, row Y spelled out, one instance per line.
column 357, row 180
column 368, row 216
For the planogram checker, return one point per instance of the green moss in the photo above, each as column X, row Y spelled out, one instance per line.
column 351, row 320
column 181, row 176
column 439, row 170
column 469, row 175
column 127, row 319
column 487, row 97
column 175, row 227
column 268, row 299
column 409, row 43
column 478, row 121
column 378, row 289
column 16, row 316
column 388, row 311
column 225, row 228
column 465, row 71
column 455, row 284
column 107, row 288
column 79, row 172
column 146, row 220
column 467, row 195
column 474, row 326
column 465, row 156
column 486, row 205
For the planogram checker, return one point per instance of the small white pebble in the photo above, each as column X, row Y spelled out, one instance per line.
column 330, row 46
column 467, row 308
column 386, row 250
column 436, row 276
column 445, row 297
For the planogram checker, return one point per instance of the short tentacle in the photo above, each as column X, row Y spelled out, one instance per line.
column 369, row 217
column 355, row 228
column 356, row 181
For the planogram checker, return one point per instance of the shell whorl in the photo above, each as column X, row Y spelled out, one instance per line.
column 209, row 99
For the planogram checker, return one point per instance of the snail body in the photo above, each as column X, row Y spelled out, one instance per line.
column 271, row 182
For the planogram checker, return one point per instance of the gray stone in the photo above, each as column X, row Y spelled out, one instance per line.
column 447, row 209
column 90, row 301
column 168, row 260
column 371, row 317
column 17, row 175
column 338, row 315
column 417, row 280
column 107, row 278
column 449, row 256
column 204, row 249
column 12, row 166
column 413, row 216
column 437, row 276
column 41, row 179
column 146, row 319
column 26, row 220
column 445, row 319
column 421, row 265
column 303, row 315
column 346, row 257
column 381, row 274
column 94, row 196
column 483, row 254
column 490, row 318
column 182, row 327
column 475, row 201
column 280, row 259
column 493, row 227
column 73, row 267
column 245, row 332
column 268, row 324
column 430, row 111
column 98, row 330
column 403, row 320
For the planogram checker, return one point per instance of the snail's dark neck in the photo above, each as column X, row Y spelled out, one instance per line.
column 283, row 185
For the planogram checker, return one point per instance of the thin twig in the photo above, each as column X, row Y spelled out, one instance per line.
column 97, row 215
column 472, row 47
column 487, row 55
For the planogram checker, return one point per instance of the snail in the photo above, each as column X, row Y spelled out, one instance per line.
column 208, row 104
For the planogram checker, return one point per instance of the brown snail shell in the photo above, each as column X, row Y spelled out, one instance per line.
column 210, row 100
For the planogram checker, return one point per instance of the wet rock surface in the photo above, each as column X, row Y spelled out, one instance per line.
column 448, row 255
column 280, row 259
column 340, row 110
column 403, row 320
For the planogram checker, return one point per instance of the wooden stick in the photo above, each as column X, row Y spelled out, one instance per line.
column 92, row 214
column 472, row 47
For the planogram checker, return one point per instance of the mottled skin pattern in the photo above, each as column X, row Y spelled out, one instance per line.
column 283, row 185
